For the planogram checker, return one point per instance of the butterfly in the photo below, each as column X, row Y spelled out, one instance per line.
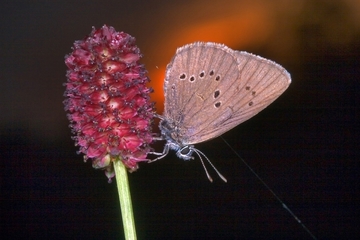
column 210, row 89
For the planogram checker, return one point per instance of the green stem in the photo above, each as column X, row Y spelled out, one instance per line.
column 125, row 200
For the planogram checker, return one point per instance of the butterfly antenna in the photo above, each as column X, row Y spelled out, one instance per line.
column 199, row 153
column 272, row 192
column 202, row 162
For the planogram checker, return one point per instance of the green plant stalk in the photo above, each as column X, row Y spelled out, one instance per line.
column 122, row 183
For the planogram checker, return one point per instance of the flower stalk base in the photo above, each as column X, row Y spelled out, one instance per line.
column 125, row 199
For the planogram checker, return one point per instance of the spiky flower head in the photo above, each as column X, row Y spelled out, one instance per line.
column 107, row 101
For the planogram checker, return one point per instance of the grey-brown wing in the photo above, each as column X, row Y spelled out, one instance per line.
column 211, row 89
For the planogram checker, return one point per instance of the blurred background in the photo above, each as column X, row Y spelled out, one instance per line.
column 304, row 146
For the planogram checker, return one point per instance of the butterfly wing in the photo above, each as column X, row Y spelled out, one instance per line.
column 210, row 89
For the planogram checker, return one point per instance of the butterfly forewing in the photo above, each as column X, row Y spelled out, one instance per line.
column 194, row 69
column 210, row 89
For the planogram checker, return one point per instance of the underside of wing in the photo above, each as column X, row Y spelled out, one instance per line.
column 210, row 89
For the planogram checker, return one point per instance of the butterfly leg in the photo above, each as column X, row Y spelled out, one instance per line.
column 159, row 116
column 158, row 138
column 162, row 155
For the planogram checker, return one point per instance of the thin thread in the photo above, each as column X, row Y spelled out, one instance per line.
column 272, row 192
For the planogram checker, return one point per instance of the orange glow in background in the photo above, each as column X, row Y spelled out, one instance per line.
column 276, row 27
column 243, row 27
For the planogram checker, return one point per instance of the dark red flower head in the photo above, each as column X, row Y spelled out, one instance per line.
column 107, row 99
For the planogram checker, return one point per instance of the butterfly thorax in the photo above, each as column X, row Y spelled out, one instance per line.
column 172, row 134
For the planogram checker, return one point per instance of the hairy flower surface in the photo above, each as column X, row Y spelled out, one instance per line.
column 107, row 99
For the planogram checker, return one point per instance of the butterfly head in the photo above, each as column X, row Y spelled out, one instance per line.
column 185, row 152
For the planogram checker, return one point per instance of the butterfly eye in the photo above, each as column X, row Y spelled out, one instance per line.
column 216, row 93
column 185, row 150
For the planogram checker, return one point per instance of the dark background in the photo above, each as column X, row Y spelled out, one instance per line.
column 304, row 146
